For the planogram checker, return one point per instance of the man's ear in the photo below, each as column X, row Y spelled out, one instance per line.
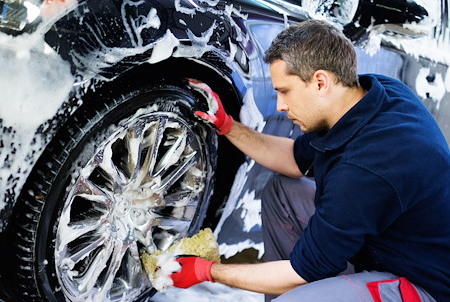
column 322, row 80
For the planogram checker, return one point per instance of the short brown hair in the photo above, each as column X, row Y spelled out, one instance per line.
column 312, row 45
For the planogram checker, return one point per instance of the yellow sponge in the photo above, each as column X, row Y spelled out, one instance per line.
column 203, row 244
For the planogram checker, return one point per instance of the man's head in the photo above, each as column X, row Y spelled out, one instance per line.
column 313, row 69
column 312, row 45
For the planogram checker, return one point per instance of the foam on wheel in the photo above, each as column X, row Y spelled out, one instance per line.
column 133, row 173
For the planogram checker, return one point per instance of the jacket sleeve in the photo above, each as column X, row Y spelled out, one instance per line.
column 304, row 154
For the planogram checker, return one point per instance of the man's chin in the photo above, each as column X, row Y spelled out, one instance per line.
column 304, row 130
column 312, row 128
column 301, row 126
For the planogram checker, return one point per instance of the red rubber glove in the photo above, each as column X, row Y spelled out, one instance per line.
column 216, row 113
column 194, row 270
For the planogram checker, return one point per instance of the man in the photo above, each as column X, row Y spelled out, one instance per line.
column 382, row 173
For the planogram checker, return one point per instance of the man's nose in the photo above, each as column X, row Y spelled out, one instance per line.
column 281, row 106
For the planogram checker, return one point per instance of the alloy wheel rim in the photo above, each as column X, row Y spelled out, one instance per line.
column 139, row 191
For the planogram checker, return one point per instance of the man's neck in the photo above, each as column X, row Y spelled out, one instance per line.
column 344, row 99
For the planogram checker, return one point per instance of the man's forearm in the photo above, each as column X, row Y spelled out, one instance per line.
column 274, row 152
column 275, row 277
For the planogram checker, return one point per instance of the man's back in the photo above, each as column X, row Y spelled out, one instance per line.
column 410, row 153
column 383, row 175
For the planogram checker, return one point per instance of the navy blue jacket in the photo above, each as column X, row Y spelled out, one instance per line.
column 383, row 191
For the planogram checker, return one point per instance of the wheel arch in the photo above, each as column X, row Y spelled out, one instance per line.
column 174, row 70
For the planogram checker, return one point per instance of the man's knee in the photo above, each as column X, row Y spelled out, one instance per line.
column 286, row 185
column 273, row 185
column 335, row 289
column 351, row 288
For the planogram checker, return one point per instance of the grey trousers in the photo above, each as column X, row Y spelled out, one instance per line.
column 287, row 205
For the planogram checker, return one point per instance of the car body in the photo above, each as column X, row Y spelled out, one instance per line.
column 102, row 156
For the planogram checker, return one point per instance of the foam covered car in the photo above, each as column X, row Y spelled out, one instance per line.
column 101, row 156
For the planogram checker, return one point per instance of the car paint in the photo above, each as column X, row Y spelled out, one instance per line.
column 220, row 42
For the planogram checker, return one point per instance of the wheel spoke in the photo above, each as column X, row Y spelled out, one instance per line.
column 87, row 211
column 177, row 225
column 172, row 155
column 144, row 236
column 90, row 191
column 115, row 257
column 133, row 147
column 90, row 277
column 143, row 228
column 181, row 198
column 176, row 174
column 129, row 277
column 110, row 169
column 86, row 249
column 154, row 140
column 182, row 213
column 147, row 149
column 165, row 238
column 75, row 231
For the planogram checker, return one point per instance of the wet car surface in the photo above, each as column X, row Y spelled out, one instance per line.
column 102, row 155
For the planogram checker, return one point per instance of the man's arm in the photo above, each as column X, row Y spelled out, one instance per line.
column 274, row 277
column 273, row 152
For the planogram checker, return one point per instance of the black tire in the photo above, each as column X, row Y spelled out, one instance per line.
column 93, row 202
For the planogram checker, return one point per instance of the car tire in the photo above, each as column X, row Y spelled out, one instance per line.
column 127, row 173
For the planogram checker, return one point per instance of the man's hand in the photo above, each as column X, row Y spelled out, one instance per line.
column 216, row 113
column 194, row 270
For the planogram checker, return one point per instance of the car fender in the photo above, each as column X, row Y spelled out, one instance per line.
column 105, row 40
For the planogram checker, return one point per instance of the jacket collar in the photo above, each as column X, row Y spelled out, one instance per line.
column 355, row 119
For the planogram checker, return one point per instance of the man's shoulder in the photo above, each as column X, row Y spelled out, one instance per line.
column 380, row 78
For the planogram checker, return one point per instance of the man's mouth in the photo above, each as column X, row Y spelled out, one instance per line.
column 292, row 119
